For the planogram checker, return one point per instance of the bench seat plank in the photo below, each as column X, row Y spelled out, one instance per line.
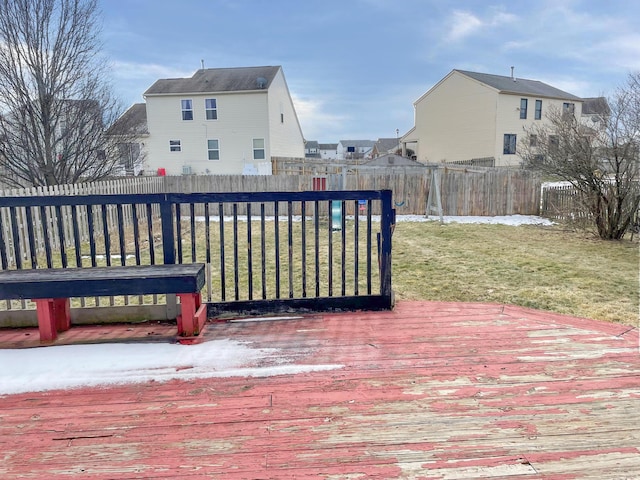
column 101, row 281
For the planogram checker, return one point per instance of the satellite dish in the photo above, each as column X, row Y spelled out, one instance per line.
column 262, row 82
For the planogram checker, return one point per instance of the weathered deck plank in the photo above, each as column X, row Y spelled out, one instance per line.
column 431, row 390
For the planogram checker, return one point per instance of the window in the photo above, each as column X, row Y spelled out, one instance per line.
column 509, row 144
column 282, row 118
column 533, row 140
column 187, row 110
column 568, row 108
column 213, row 149
column 554, row 143
column 538, row 114
column 211, row 109
column 258, row 149
column 175, row 146
column 523, row 108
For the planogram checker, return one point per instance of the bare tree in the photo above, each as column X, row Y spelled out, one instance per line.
column 55, row 101
column 597, row 154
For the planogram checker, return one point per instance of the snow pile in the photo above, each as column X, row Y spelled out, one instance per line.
column 71, row 366
column 513, row 220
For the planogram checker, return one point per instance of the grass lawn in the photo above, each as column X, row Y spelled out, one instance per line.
column 548, row 268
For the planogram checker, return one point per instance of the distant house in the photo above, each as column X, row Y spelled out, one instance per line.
column 354, row 149
column 311, row 149
column 384, row 146
column 131, row 128
column 328, row 151
column 221, row 121
column 469, row 115
column 595, row 109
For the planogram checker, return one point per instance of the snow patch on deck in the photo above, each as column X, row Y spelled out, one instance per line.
column 73, row 366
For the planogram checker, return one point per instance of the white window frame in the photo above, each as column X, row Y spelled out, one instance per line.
column 186, row 105
column 211, row 110
column 257, row 149
column 175, row 145
column 212, row 150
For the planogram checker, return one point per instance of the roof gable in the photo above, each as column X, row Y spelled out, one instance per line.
column 217, row 80
column 386, row 144
column 358, row 143
column 132, row 122
column 520, row 86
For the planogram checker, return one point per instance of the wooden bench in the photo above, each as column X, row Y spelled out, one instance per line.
column 51, row 289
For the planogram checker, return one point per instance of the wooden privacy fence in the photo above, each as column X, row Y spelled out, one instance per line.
column 253, row 262
column 465, row 191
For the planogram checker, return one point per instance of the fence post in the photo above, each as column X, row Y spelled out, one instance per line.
column 386, row 227
column 168, row 248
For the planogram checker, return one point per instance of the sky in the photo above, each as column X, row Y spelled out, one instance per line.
column 355, row 67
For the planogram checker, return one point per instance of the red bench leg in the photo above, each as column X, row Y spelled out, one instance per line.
column 193, row 314
column 53, row 317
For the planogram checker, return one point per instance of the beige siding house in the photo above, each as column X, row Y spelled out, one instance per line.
column 470, row 115
column 221, row 121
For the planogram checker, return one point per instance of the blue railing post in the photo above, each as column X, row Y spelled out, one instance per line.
column 168, row 242
column 386, row 225
column 168, row 248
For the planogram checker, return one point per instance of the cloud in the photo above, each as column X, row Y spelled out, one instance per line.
column 464, row 23
column 136, row 71
column 315, row 119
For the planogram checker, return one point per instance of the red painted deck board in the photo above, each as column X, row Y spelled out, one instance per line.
column 431, row 391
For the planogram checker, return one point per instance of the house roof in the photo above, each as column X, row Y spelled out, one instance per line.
column 358, row 143
column 521, row 86
column 328, row 146
column 217, row 80
column 386, row 144
column 133, row 121
column 311, row 144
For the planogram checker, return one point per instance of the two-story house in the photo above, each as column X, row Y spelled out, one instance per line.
column 469, row 115
column 311, row 149
column 221, row 121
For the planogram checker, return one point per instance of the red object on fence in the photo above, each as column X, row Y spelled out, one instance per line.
column 162, row 172
column 319, row 184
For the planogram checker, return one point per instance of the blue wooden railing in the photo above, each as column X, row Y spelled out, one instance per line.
column 264, row 251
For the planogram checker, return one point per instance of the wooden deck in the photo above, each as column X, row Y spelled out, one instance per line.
column 428, row 391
